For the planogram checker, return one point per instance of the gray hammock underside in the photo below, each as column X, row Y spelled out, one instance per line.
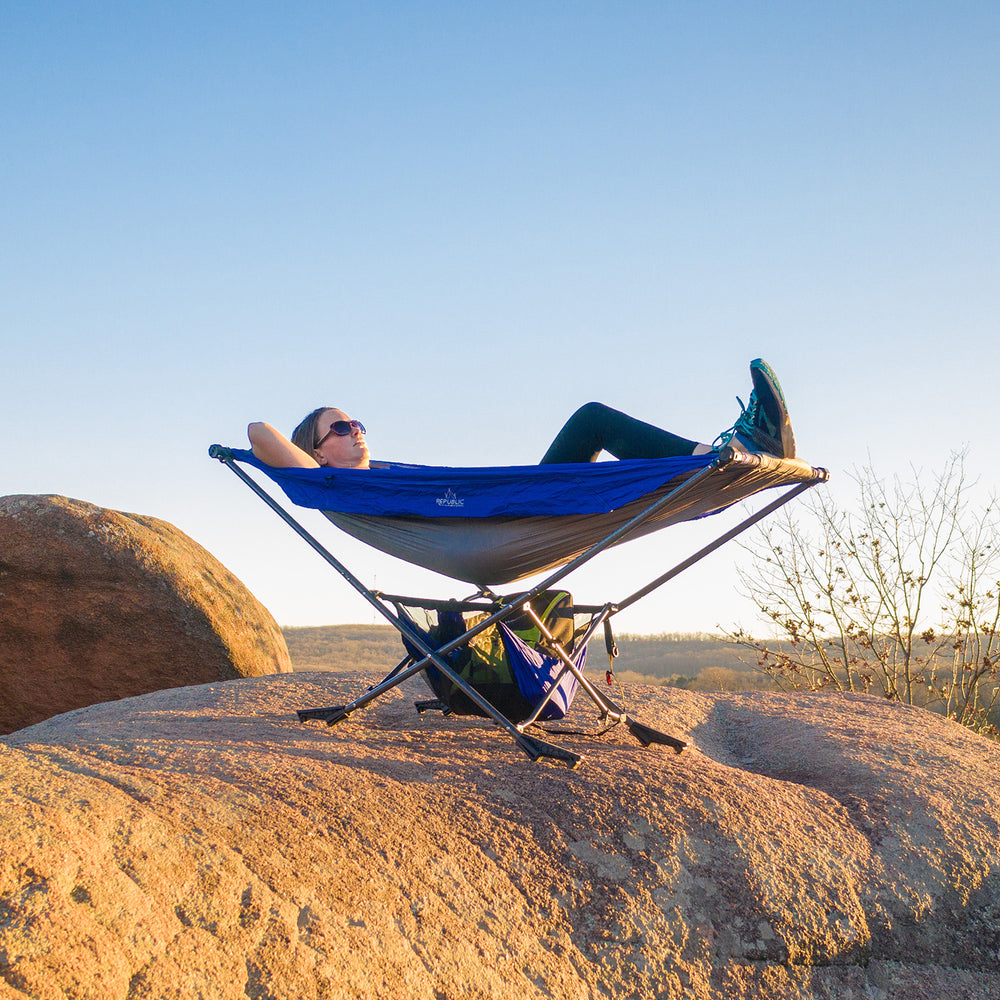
column 499, row 550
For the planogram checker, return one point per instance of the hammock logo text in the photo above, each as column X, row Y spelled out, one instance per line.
column 450, row 500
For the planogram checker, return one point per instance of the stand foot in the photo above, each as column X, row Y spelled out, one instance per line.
column 435, row 705
column 536, row 748
column 645, row 735
column 336, row 713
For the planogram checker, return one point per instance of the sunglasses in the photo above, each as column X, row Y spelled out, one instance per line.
column 342, row 428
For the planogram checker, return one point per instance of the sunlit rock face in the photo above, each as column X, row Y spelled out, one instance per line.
column 202, row 842
column 97, row 604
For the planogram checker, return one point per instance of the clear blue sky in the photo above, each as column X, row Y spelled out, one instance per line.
column 459, row 221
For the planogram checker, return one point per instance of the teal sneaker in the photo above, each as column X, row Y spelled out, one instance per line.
column 763, row 425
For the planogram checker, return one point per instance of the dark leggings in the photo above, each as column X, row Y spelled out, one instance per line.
column 595, row 428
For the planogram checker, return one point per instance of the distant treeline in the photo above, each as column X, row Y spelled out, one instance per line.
column 344, row 647
column 671, row 654
column 686, row 659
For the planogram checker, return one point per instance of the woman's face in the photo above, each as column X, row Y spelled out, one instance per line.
column 349, row 451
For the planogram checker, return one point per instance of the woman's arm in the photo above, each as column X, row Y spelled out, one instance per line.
column 273, row 448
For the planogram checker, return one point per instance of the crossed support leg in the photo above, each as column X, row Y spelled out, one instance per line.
column 535, row 748
column 531, row 745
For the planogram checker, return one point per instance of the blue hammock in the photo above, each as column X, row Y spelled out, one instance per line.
column 393, row 489
column 491, row 526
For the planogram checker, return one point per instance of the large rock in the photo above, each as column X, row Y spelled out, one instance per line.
column 96, row 604
column 202, row 843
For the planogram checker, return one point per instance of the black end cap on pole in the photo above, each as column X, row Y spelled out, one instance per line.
column 645, row 735
column 330, row 715
column 434, row 705
column 536, row 748
column 220, row 452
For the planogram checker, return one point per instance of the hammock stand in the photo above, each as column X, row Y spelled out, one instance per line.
column 684, row 489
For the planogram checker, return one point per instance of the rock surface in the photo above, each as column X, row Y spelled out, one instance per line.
column 200, row 842
column 97, row 604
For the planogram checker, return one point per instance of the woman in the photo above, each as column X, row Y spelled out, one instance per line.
column 329, row 437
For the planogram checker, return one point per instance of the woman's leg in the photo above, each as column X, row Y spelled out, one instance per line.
column 595, row 428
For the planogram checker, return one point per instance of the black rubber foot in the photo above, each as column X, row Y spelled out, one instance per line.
column 536, row 748
column 330, row 715
column 645, row 735
column 436, row 705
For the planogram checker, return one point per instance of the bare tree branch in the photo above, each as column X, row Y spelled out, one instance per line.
column 849, row 595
